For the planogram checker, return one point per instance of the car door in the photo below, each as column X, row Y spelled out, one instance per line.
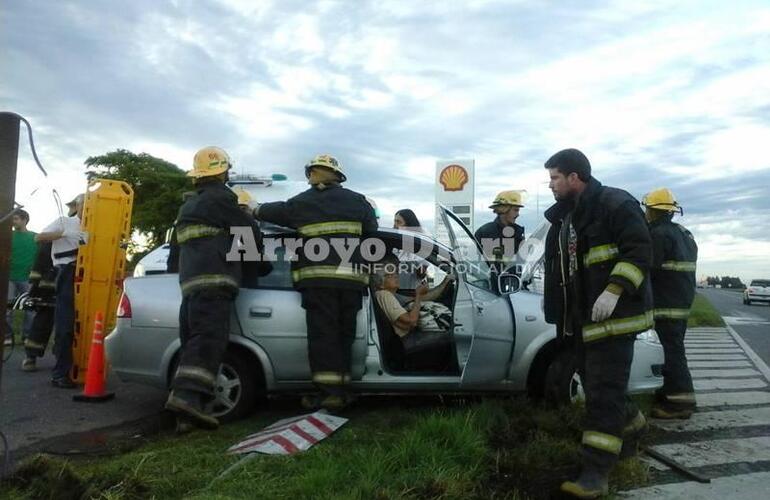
column 270, row 312
column 491, row 327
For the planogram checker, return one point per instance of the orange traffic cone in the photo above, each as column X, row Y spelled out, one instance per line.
column 94, row 389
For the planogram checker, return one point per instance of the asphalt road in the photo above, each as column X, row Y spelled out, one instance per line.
column 31, row 410
column 752, row 322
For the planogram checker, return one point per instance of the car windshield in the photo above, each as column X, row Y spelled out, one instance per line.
column 760, row 283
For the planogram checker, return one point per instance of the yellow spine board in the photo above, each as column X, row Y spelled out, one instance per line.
column 101, row 263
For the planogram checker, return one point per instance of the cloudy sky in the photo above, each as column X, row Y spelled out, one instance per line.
column 656, row 93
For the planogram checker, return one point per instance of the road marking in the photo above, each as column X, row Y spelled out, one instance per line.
column 711, row 384
column 745, row 320
column 715, row 351
column 761, row 366
column 719, row 364
column 738, row 372
column 710, row 420
column 746, row 486
column 732, row 398
column 726, row 340
column 715, row 357
column 720, row 451
column 708, row 345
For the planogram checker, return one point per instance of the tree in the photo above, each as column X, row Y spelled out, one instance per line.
column 158, row 186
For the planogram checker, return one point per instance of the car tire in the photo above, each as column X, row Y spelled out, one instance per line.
column 747, row 302
column 562, row 381
column 237, row 389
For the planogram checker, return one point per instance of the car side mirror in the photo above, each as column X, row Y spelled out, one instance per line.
column 508, row 283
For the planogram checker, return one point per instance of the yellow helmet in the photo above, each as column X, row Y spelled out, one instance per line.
column 661, row 199
column 507, row 198
column 326, row 161
column 210, row 161
column 244, row 198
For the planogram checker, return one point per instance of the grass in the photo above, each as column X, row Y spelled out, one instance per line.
column 400, row 448
column 703, row 313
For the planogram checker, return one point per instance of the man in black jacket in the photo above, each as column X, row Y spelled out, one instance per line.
column 209, row 284
column 673, row 285
column 597, row 290
column 331, row 288
column 500, row 238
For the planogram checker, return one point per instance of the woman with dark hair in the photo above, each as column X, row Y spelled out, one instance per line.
column 406, row 219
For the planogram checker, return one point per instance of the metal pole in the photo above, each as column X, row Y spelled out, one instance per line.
column 9, row 157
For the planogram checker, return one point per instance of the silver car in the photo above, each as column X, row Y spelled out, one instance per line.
column 499, row 341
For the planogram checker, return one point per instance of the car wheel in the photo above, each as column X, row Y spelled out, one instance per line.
column 563, row 385
column 747, row 302
column 236, row 391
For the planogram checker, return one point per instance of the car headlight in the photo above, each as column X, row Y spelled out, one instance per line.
column 649, row 336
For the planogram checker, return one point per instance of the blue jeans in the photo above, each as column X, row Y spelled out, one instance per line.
column 16, row 288
column 64, row 321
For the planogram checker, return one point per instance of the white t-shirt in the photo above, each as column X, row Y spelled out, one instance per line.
column 63, row 244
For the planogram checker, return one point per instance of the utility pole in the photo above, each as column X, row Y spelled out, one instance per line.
column 9, row 157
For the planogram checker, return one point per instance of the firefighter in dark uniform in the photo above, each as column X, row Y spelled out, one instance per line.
column 209, row 284
column 42, row 298
column 500, row 239
column 597, row 290
column 331, row 289
column 674, row 255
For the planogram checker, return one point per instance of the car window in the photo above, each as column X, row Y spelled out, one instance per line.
column 760, row 283
column 474, row 264
column 279, row 276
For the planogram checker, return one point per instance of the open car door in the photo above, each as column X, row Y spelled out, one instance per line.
column 493, row 325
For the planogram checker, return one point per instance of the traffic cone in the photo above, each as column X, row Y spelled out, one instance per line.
column 94, row 389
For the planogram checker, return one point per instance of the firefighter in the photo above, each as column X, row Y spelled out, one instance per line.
column 331, row 288
column 42, row 296
column 209, row 284
column 674, row 254
column 597, row 291
column 500, row 239
column 244, row 199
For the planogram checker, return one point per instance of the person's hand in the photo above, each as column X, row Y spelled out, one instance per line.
column 420, row 290
column 604, row 306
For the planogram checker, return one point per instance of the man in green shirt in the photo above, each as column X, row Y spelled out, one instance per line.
column 23, row 253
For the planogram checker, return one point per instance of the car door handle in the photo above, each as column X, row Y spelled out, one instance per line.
column 261, row 312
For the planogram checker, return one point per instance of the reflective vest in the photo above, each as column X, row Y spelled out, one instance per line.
column 675, row 254
column 321, row 216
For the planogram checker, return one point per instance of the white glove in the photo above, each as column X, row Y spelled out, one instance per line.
column 604, row 306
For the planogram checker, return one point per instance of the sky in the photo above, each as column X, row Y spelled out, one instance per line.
column 657, row 94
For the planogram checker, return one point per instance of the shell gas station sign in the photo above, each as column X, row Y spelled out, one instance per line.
column 455, row 190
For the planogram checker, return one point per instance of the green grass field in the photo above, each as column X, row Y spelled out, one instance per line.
column 703, row 313
column 403, row 448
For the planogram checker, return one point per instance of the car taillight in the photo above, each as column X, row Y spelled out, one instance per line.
column 124, row 308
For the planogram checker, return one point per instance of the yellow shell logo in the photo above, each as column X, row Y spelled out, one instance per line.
column 453, row 178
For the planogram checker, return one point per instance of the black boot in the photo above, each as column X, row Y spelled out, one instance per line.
column 632, row 434
column 592, row 483
column 188, row 404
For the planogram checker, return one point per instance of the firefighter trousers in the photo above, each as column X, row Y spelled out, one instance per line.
column 204, row 326
column 604, row 367
column 676, row 375
column 40, row 331
column 331, row 328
